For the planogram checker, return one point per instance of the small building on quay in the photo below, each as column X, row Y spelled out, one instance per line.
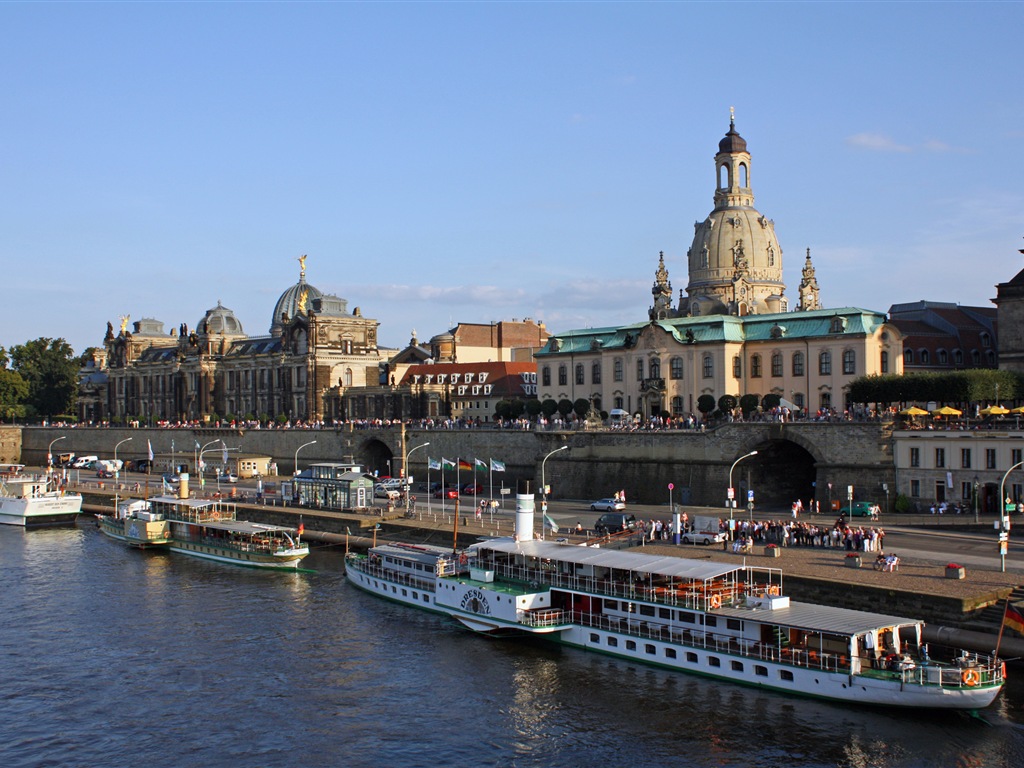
column 337, row 486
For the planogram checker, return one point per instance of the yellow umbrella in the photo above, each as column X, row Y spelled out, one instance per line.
column 994, row 410
column 1018, row 409
column 946, row 411
column 913, row 411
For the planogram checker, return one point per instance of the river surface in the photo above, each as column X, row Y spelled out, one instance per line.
column 114, row 657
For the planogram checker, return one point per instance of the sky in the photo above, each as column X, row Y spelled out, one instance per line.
column 475, row 162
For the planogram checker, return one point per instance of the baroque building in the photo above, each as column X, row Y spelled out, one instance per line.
column 214, row 370
column 731, row 333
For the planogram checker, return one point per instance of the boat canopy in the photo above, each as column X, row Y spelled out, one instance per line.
column 821, row 618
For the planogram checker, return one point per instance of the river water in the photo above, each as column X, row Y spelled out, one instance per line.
column 115, row 657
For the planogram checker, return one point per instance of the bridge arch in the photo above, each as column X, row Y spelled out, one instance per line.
column 783, row 471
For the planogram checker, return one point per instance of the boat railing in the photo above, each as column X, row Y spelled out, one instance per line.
column 374, row 568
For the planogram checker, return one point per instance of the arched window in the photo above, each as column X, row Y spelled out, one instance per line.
column 709, row 367
column 563, row 375
column 723, row 176
column 958, row 357
column 617, row 369
column 579, row 373
column 676, row 368
column 545, row 376
column 991, row 357
column 924, row 357
column 826, row 399
column 942, row 357
column 755, row 366
column 825, row 363
column 737, row 367
column 655, row 366
column 776, row 365
column 348, row 377
column 908, row 357
column 975, row 357
column 849, row 362
column 595, row 374
column 677, row 406
column 986, row 340
column 885, row 362
column 798, row 363
column 640, row 369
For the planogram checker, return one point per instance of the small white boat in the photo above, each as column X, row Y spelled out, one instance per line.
column 204, row 528
column 713, row 619
column 29, row 502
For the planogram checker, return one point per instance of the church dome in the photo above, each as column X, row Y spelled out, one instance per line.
column 299, row 295
column 220, row 320
column 732, row 142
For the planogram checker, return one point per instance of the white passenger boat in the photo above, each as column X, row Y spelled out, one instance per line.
column 204, row 528
column 724, row 621
column 29, row 502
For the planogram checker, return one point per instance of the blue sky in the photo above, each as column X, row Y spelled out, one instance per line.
column 474, row 162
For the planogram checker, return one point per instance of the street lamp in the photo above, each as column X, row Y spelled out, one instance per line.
column 49, row 451
column 405, row 469
column 543, row 484
column 297, row 454
column 1003, row 519
column 199, row 461
column 732, row 506
column 116, row 472
column 976, row 498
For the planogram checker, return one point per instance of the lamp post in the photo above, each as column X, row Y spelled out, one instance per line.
column 405, row 469
column 1004, row 519
column 543, row 484
column 976, row 498
column 49, row 451
column 732, row 490
column 199, row 461
column 311, row 442
column 116, row 472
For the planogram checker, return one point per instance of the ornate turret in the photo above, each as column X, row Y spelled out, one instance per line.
column 662, row 292
column 809, row 298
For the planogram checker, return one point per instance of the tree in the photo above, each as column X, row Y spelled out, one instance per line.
column 706, row 404
column 503, row 410
column 748, row 404
column 548, row 408
column 13, row 393
column 533, row 407
column 50, row 369
column 771, row 400
column 516, row 408
column 581, row 407
column 565, row 407
column 726, row 403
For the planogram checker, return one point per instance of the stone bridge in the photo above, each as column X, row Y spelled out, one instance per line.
column 794, row 460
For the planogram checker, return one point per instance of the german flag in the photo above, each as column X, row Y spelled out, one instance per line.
column 465, row 465
column 1014, row 618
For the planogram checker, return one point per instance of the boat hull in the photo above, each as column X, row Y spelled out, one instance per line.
column 283, row 560
column 41, row 511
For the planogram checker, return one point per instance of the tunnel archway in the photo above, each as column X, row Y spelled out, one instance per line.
column 781, row 473
column 380, row 459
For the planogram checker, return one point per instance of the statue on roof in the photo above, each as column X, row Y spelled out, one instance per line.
column 302, row 267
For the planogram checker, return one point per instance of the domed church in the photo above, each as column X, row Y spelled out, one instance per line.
column 731, row 332
column 315, row 348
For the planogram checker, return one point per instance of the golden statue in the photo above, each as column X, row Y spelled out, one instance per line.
column 124, row 322
column 302, row 265
column 302, row 300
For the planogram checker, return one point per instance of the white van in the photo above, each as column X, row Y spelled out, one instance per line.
column 84, row 462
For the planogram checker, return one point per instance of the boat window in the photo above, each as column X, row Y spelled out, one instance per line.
column 737, row 666
column 664, row 613
column 710, row 621
column 415, row 596
column 670, row 653
column 687, row 617
column 613, row 641
column 734, row 624
column 785, row 674
column 631, row 645
column 594, row 637
column 714, row 661
column 649, row 648
column 760, row 671
column 646, row 610
column 611, row 605
column 691, row 656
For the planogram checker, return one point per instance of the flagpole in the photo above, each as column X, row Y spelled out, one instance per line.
column 455, row 528
column 1002, row 626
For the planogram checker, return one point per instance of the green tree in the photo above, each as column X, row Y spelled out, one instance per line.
column 533, row 407
column 771, row 400
column 748, row 404
column 13, row 393
column 50, row 369
column 503, row 410
column 565, row 407
column 726, row 403
column 581, row 407
column 516, row 408
column 706, row 404
column 549, row 407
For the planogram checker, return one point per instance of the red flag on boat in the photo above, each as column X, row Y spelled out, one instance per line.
column 1013, row 618
column 301, row 528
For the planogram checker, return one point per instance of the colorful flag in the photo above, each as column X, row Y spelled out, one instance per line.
column 446, row 463
column 463, row 464
column 481, row 465
column 433, row 463
column 150, row 444
column 1013, row 618
column 551, row 523
column 497, row 466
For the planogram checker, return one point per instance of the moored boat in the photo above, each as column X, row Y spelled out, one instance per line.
column 730, row 622
column 29, row 502
column 206, row 528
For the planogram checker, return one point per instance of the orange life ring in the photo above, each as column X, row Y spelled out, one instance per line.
column 970, row 677
column 715, row 601
column 773, row 589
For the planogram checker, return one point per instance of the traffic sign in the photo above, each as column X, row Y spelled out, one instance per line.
column 730, row 494
column 750, row 495
column 671, row 486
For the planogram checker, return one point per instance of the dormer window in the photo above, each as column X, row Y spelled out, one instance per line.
column 838, row 325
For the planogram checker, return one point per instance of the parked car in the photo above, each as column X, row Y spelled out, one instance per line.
column 228, row 477
column 702, row 537
column 446, row 493
column 861, row 509
column 472, row 488
column 382, row 492
column 607, row 505
column 615, row 522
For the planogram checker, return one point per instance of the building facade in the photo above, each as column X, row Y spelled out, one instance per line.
column 216, row 371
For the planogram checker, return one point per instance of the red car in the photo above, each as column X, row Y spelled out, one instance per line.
column 446, row 493
column 470, row 489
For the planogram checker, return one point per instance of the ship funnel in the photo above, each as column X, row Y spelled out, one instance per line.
column 183, row 485
column 524, row 510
